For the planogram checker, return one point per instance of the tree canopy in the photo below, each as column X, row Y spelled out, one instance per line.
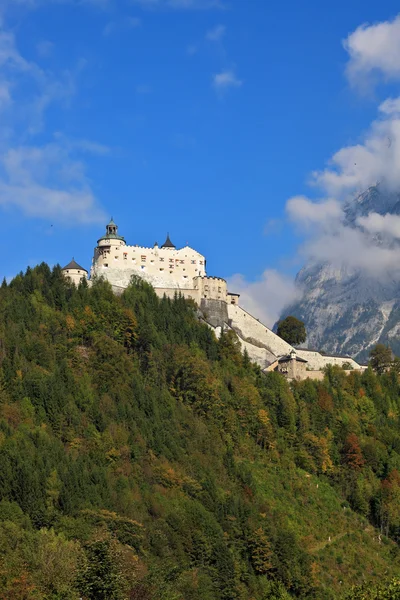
column 292, row 330
column 143, row 458
column 380, row 358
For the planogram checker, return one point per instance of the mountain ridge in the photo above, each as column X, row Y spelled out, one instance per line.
column 346, row 309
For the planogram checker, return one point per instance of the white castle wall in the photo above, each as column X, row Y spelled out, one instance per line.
column 317, row 361
column 250, row 328
column 162, row 267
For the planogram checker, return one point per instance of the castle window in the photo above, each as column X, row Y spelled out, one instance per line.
column 185, row 277
column 106, row 264
column 182, row 262
column 219, row 289
column 162, row 269
column 161, row 260
column 171, row 260
column 143, row 259
column 201, row 262
column 115, row 257
column 193, row 262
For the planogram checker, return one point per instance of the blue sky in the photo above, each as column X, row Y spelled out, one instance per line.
column 198, row 117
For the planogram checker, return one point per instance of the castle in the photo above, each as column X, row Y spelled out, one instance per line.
column 171, row 270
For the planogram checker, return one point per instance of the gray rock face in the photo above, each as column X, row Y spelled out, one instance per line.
column 344, row 309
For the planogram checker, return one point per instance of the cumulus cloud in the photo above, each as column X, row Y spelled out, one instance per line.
column 265, row 298
column 374, row 159
column 374, row 51
column 386, row 225
column 303, row 211
column 226, row 79
column 369, row 244
column 44, row 180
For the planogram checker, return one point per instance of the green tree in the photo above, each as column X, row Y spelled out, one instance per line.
column 292, row 330
column 380, row 358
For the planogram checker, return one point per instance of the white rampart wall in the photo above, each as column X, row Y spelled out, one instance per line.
column 250, row 328
column 318, row 361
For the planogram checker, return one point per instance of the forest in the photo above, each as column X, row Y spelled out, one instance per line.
column 142, row 458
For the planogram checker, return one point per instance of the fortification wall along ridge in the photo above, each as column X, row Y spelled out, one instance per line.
column 317, row 361
column 249, row 328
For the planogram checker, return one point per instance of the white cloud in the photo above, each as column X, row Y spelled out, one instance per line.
column 216, row 33
column 303, row 211
column 374, row 51
column 266, row 298
column 391, row 106
column 225, row 80
column 386, row 225
column 48, row 182
column 376, row 158
column 44, row 180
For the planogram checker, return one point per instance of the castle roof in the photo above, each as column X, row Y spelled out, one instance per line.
column 112, row 222
column 291, row 356
column 168, row 243
column 73, row 265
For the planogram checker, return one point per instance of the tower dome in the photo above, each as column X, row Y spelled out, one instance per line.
column 111, row 232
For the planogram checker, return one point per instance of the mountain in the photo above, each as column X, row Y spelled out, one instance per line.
column 142, row 458
column 346, row 310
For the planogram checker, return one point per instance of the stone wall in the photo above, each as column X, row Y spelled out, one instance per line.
column 317, row 361
column 211, row 288
column 251, row 330
column 214, row 311
column 162, row 267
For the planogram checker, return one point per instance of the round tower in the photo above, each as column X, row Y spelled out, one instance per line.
column 111, row 241
column 74, row 272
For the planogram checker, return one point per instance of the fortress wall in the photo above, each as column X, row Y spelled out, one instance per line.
column 214, row 311
column 261, row 356
column 213, row 288
column 168, row 264
column 317, row 361
column 122, row 276
column 250, row 329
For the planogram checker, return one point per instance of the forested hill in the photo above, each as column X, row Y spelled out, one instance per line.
column 140, row 458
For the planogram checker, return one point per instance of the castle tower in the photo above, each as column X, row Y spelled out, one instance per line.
column 111, row 232
column 74, row 272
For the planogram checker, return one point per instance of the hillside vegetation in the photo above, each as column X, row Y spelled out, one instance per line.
column 141, row 458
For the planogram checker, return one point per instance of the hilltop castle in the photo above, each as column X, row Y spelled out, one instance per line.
column 170, row 270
